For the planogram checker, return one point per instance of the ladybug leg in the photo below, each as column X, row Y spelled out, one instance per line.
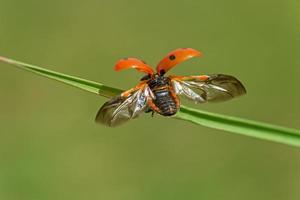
column 153, row 107
column 150, row 110
column 152, row 113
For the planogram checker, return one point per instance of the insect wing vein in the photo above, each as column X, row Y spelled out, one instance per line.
column 121, row 109
column 215, row 88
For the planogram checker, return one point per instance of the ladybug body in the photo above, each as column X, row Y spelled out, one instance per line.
column 164, row 101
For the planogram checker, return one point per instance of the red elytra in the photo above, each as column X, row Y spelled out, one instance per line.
column 169, row 61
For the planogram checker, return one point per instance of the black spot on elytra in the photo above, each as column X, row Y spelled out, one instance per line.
column 172, row 57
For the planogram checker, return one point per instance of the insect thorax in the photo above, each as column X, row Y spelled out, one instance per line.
column 158, row 82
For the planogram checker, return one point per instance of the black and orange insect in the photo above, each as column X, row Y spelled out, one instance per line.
column 158, row 93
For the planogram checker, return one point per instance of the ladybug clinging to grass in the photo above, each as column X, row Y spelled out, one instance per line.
column 159, row 93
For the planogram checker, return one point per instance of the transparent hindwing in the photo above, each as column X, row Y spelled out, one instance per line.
column 208, row 88
column 120, row 109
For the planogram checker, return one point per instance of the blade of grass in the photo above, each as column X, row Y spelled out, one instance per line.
column 222, row 122
column 241, row 126
column 90, row 86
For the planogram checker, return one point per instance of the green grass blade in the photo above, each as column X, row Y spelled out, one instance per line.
column 90, row 86
column 241, row 126
column 222, row 122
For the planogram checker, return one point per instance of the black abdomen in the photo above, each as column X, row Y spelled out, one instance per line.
column 165, row 102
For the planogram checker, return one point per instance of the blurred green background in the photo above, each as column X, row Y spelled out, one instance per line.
column 50, row 147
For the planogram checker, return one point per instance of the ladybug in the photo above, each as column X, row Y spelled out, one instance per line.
column 158, row 93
